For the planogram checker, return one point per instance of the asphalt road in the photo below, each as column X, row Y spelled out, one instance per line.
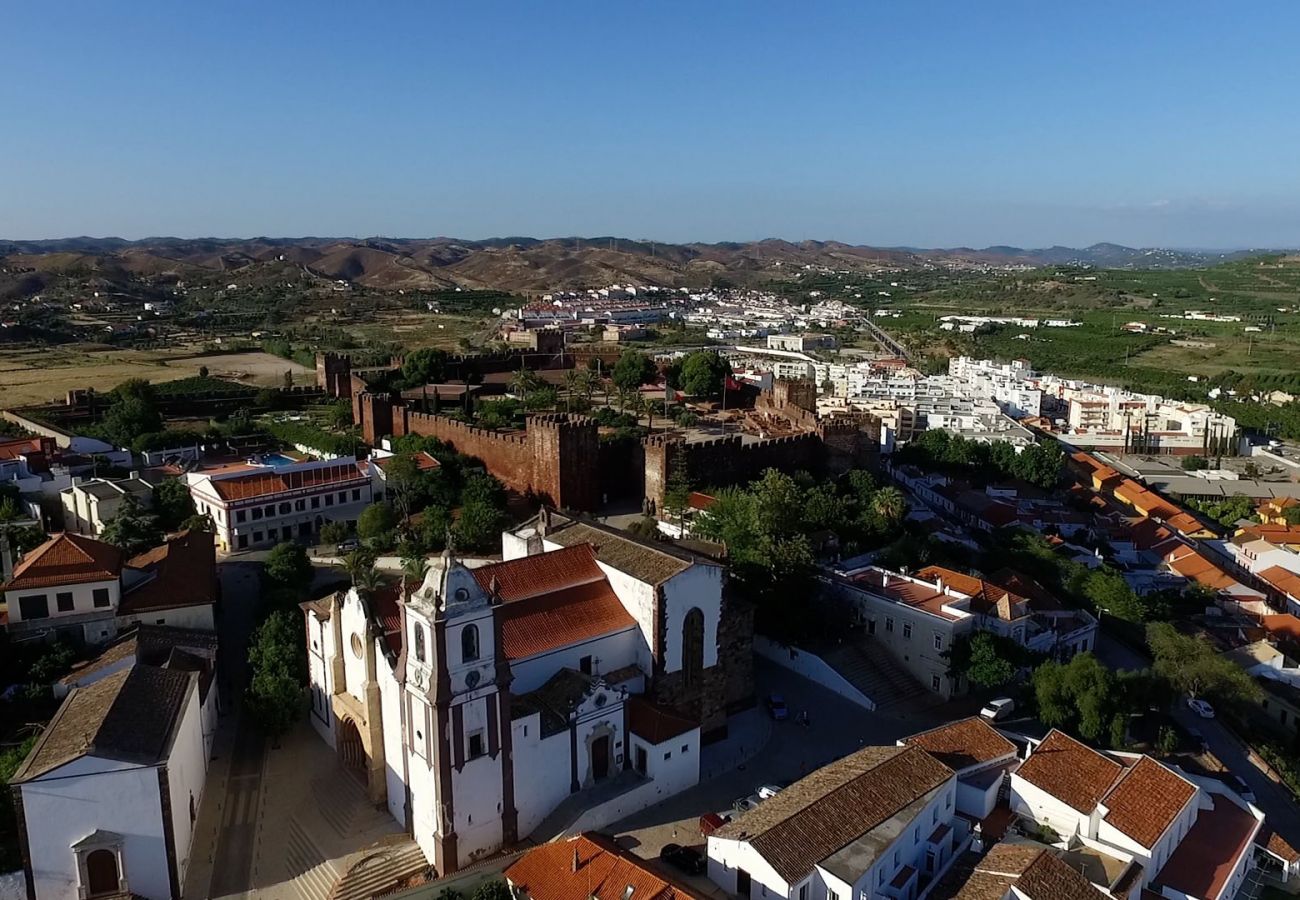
column 240, row 610
column 1276, row 801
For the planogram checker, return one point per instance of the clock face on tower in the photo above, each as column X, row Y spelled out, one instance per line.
column 472, row 678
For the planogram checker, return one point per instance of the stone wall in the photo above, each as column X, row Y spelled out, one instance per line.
column 555, row 459
column 726, row 461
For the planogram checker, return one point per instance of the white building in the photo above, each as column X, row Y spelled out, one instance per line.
column 918, row 618
column 563, row 688
column 89, row 591
column 108, row 796
column 264, row 505
column 1191, row 838
column 881, row 822
column 88, row 505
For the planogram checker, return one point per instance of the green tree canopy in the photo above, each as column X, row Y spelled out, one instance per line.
column 988, row 660
column 425, row 366
column 172, row 501
column 1191, row 666
column 1086, row 699
column 278, row 661
column 288, row 567
column 376, row 525
column 132, row 413
column 132, row 528
column 632, row 370
column 703, row 373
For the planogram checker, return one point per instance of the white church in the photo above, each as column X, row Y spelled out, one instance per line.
column 563, row 688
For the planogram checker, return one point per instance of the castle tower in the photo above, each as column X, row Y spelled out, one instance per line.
column 565, row 453
column 458, row 714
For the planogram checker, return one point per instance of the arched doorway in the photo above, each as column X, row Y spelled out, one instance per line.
column 352, row 753
column 693, row 648
column 101, row 873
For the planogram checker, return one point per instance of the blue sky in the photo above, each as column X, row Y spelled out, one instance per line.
column 917, row 123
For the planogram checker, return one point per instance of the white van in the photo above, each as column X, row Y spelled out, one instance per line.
column 998, row 709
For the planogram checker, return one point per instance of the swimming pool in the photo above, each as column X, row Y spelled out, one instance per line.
column 278, row 459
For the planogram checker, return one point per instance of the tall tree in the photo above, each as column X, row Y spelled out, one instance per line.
column 1193, row 667
column 703, row 373
column 173, row 503
column 288, row 567
column 132, row 529
column 632, row 370
column 278, row 662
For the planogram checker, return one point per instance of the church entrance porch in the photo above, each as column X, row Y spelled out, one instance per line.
column 351, row 751
column 600, row 758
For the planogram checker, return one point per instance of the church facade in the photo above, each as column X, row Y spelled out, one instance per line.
column 561, row 689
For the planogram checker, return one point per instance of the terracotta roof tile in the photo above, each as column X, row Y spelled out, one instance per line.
column 1277, row 845
column 1073, row 773
column 834, row 806
column 561, row 618
column 269, row 482
column 602, row 872
column 986, row 598
column 182, row 572
column 963, row 744
column 641, row 560
column 127, row 716
column 1147, row 800
column 66, row 559
column 1050, row 878
column 1283, row 580
column 541, row 573
column 1208, row 853
column 655, row 723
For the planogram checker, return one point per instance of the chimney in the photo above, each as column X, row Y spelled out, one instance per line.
column 575, row 859
column 544, row 521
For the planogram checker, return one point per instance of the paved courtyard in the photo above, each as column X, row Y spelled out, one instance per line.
column 306, row 821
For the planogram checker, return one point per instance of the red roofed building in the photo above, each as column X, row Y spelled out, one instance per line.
column 487, row 697
column 260, row 506
column 590, row 866
column 87, row 590
column 1191, row 836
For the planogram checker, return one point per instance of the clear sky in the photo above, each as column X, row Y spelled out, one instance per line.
column 900, row 123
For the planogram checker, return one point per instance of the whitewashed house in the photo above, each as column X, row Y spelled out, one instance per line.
column 106, row 800
column 87, row 591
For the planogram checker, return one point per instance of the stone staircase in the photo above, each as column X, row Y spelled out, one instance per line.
column 382, row 871
column 871, row 668
column 312, row 874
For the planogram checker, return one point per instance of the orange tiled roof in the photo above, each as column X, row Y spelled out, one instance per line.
column 963, row 744
column 1284, row 580
column 1192, row 565
column 655, row 723
column 1072, row 772
column 66, row 559
column 589, row 867
column 262, row 482
column 1282, row 625
column 986, row 598
column 541, row 573
column 899, row 588
column 552, row 600
column 184, row 573
column 1147, row 800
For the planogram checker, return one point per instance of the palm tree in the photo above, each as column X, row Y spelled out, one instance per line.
column 588, row 381
column 414, row 568
column 357, row 563
column 367, row 580
column 890, row 504
column 524, row 382
column 571, row 384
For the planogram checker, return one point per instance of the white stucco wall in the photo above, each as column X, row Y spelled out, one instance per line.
column 608, row 653
column 83, row 601
column 476, row 787
column 699, row 586
column 187, row 768
column 812, row 667
column 673, row 765
column 542, row 775
column 390, row 706
column 1037, row 804
column 197, row 617
column 726, row 857
column 320, row 650
column 88, row 794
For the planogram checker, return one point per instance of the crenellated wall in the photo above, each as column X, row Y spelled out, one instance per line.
column 556, row 458
column 727, row 460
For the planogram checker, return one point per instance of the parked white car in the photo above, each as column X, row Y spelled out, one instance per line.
column 1200, row 707
column 998, row 709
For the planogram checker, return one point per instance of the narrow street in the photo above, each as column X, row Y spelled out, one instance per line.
column 1274, row 799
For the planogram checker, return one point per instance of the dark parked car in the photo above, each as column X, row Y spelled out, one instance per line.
column 776, row 707
column 690, row 861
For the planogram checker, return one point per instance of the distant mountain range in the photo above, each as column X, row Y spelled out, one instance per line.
column 530, row 264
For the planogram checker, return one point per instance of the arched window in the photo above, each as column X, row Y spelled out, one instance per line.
column 419, row 643
column 101, row 873
column 693, row 647
column 469, row 643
